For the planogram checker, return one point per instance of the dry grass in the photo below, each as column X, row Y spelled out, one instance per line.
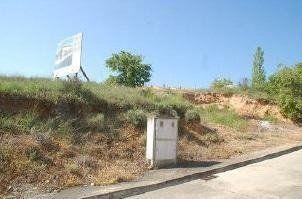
column 101, row 160
column 232, row 143
column 55, row 162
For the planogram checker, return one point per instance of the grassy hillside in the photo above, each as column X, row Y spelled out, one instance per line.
column 56, row 134
column 88, row 93
column 75, row 132
column 86, row 100
column 69, row 107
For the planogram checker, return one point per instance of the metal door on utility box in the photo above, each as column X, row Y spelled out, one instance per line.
column 165, row 139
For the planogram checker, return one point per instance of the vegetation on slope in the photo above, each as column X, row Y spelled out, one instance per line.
column 59, row 134
column 56, row 134
column 224, row 116
column 283, row 87
column 119, row 97
column 286, row 86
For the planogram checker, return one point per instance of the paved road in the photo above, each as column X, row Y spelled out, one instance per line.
column 276, row 178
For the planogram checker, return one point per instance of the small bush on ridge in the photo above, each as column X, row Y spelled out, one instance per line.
column 192, row 115
column 136, row 117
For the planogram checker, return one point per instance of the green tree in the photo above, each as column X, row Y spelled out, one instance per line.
column 129, row 68
column 286, row 87
column 221, row 83
column 258, row 73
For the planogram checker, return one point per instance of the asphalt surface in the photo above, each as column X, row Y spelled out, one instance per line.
column 275, row 178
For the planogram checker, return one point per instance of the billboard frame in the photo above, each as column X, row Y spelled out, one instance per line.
column 71, row 55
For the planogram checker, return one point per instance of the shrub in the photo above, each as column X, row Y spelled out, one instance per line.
column 96, row 122
column 221, row 83
column 286, row 87
column 210, row 138
column 73, row 168
column 171, row 103
column 192, row 115
column 136, row 117
column 224, row 86
column 35, row 154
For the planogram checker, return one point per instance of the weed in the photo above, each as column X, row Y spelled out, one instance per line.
column 96, row 122
column 35, row 154
column 73, row 168
column 136, row 117
column 210, row 138
column 192, row 115
column 247, row 136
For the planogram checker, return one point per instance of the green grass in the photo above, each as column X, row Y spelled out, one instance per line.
column 117, row 96
column 138, row 118
column 122, row 99
column 31, row 122
column 31, row 87
column 116, row 100
column 21, row 122
column 223, row 116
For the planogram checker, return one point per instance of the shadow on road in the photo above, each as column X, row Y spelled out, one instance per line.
column 193, row 164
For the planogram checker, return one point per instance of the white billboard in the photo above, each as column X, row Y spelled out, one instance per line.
column 68, row 56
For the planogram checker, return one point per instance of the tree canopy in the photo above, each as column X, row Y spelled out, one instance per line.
column 221, row 83
column 129, row 68
column 286, row 86
column 258, row 73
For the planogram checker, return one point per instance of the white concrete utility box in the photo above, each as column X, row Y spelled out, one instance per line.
column 161, row 149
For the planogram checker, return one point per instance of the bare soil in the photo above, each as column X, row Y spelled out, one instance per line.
column 242, row 104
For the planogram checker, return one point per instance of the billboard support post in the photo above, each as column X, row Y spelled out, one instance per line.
column 82, row 70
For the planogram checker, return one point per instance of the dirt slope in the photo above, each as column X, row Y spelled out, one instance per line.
column 243, row 105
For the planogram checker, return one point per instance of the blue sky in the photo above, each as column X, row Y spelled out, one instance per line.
column 188, row 43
